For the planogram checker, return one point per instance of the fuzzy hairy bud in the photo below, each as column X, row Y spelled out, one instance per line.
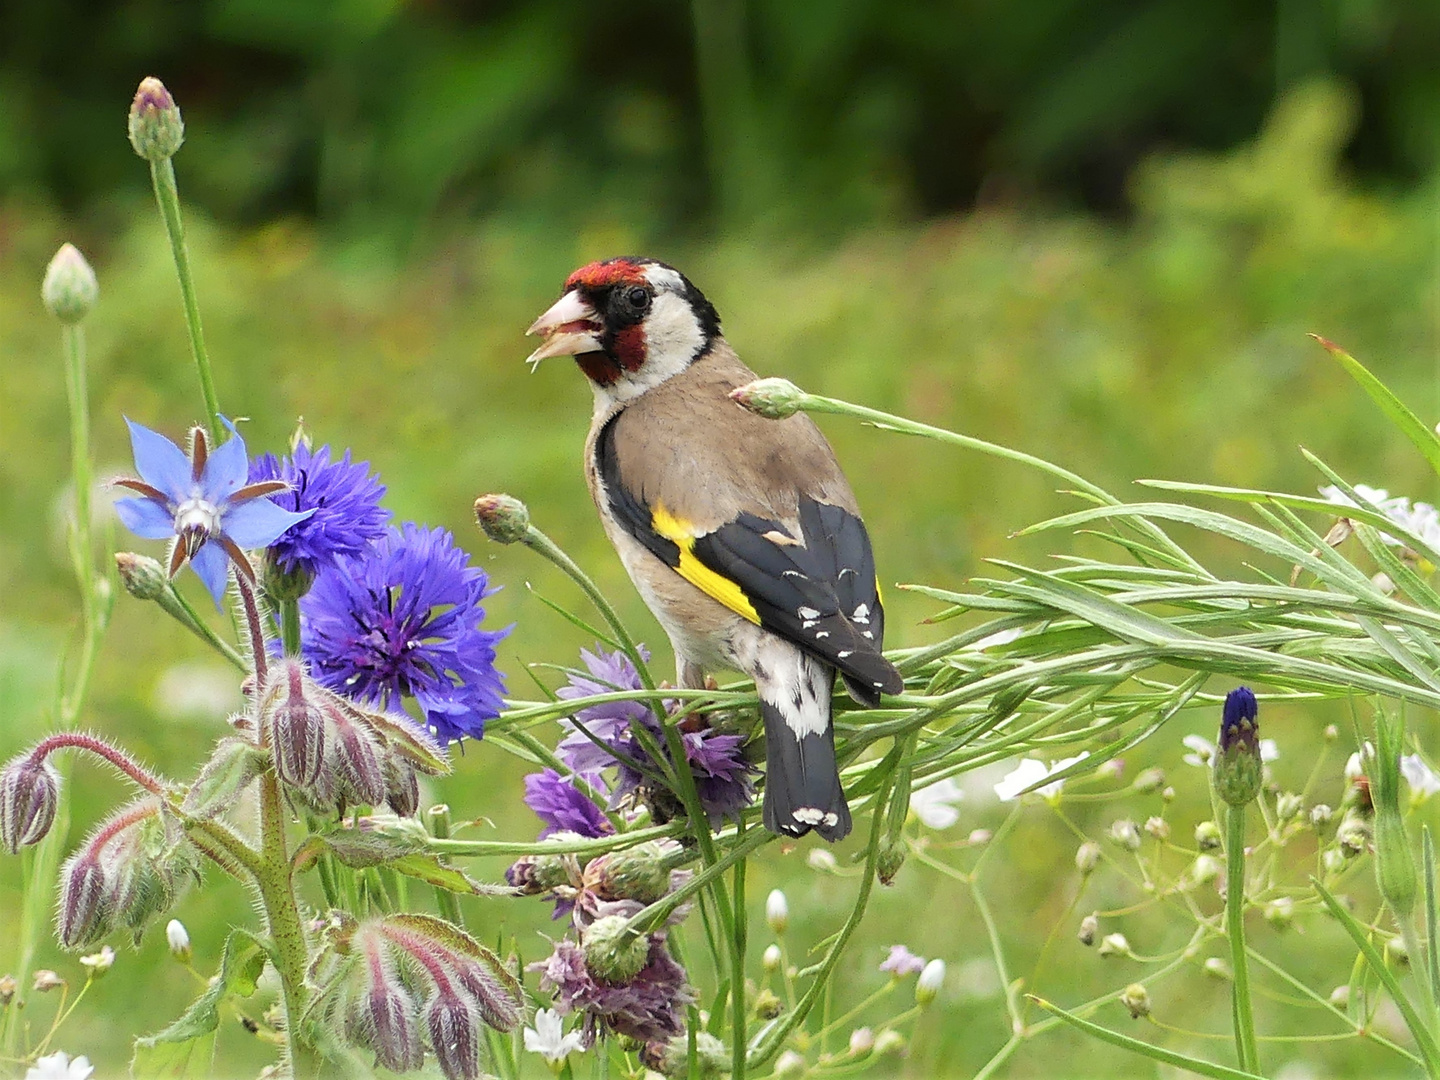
column 402, row 786
column 296, row 730
column 535, row 875
column 1237, row 767
column 613, row 951
column 453, row 1036
column 503, row 518
column 29, row 795
column 70, row 289
column 84, row 914
column 637, row 873
column 384, row 1016
column 156, row 129
column 359, row 773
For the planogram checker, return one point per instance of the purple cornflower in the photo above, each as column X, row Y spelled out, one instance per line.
column 602, row 737
column 902, row 962
column 646, row 1007
column 563, row 807
column 402, row 619
column 203, row 503
column 344, row 498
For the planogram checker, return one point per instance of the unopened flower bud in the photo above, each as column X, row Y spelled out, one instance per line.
column 777, row 912
column 1168, row 794
column 1353, row 835
column 281, row 584
column 296, row 730
column 890, row 860
column 1205, row 869
column 1087, row 857
column 772, row 959
column 8, row 987
column 1218, row 969
column 502, row 518
column 773, row 399
column 1331, row 733
column 671, row 1058
column 1149, row 781
column 359, row 774
column 84, row 914
column 29, row 794
column 789, row 1064
column 537, row 874
column 1320, row 815
column 1280, row 912
column 98, row 963
column 156, row 130
column 1137, row 999
column 402, row 786
column 1333, row 860
column 979, row 837
column 929, row 983
column 822, row 860
column 614, row 952
column 637, row 873
column 385, row 1017
column 70, row 289
column 1089, row 927
column 862, row 1042
column 889, row 1042
column 1237, row 766
column 46, row 980
column 1114, row 945
column 1125, row 833
column 1112, row 769
column 1207, row 836
column 178, row 938
column 453, row 1036
column 1158, row 827
column 1396, row 952
column 1340, row 996
column 768, row 1005
column 1288, row 805
column 142, row 577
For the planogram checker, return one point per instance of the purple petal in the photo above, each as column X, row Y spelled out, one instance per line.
column 160, row 463
column 145, row 518
column 212, row 565
column 226, row 469
column 257, row 523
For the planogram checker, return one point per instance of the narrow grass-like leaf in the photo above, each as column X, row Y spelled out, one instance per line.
column 1432, row 924
column 1398, row 413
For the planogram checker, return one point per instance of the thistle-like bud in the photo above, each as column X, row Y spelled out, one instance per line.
column 637, row 873
column 453, row 1036
column 296, row 731
column 927, row 987
column 156, row 130
column 1087, row 857
column 503, row 518
column 142, row 577
column 29, row 794
column 672, row 1058
column 1125, row 833
column 1207, row 836
column 777, row 912
column 1089, row 927
column 1149, row 781
column 282, row 585
column 1114, row 945
column 613, row 951
column 1238, row 768
column 178, row 938
column 772, row 958
column 70, row 289
column 84, row 914
column 890, row 860
column 1137, row 999
column 773, row 399
column 535, row 875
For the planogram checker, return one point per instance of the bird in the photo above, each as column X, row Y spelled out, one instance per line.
column 741, row 534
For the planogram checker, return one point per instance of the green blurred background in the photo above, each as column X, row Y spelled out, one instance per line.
column 1097, row 231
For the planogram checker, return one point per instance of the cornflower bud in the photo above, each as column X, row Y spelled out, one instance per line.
column 773, row 399
column 503, row 518
column 1218, row 969
column 1149, row 781
column 890, row 860
column 1087, row 857
column 534, row 875
column 98, row 963
column 637, row 873
column 29, row 794
column 296, row 731
column 862, row 1042
column 1137, row 999
column 1237, row 767
column 70, row 289
column 927, row 987
column 156, row 130
column 1158, row 827
column 777, row 912
column 8, row 987
column 1114, row 945
column 1125, row 833
column 141, row 576
column 1207, row 836
column 1089, row 927
column 772, row 959
column 613, row 951
column 178, row 938
column 672, row 1058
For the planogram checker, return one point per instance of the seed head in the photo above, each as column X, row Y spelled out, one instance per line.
column 637, row 873
column 70, row 289
column 29, row 794
column 156, row 130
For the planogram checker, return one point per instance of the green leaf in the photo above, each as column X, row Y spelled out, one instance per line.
column 429, row 869
column 193, row 1059
column 231, row 769
column 1398, row 413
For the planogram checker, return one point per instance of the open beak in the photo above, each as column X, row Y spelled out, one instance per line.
column 570, row 327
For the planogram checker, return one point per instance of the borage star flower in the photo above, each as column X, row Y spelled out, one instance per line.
column 203, row 503
column 344, row 498
column 402, row 619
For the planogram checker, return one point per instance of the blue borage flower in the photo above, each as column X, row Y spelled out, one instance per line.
column 402, row 619
column 202, row 503
column 602, row 738
column 563, row 807
column 344, row 500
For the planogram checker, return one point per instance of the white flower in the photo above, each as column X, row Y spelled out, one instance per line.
column 1268, row 750
column 545, row 1038
column 100, row 962
column 1355, row 763
column 178, row 938
column 821, row 859
column 1031, row 771
column 777, row 911
column 60, row 1066
column 1423, row 782
column 1202, row 751
column 1421, row 519
column 928, row 985
column 934, row 805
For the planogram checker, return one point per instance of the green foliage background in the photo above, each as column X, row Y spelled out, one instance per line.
column 388, row 194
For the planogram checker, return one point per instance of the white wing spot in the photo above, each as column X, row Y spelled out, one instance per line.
column 867, row 633
column 821, row 634
column 862, row 614
column 832, row 818
column 843, row 653
column 807, row 612
column 808, row 815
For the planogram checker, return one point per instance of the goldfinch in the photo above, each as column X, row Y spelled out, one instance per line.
column 741, row 533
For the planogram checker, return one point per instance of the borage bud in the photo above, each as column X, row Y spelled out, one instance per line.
column 1137, row 999
column 70, row 289
column 402, row 786
column 156, row 130
column 84, row 913
column 453, row 1036
column 777, row 912
column 1087, row 857
column 773, row 399
column 1237, row 768
column 29, row 794
column 359, row 775
column 503, row 518
column 385, row 1017
column 613, row 951
column 178, row 938
column 296, row 730
column 929, row 983
column 142, row 577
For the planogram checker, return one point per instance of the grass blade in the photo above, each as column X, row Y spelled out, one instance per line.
column 1395, row 410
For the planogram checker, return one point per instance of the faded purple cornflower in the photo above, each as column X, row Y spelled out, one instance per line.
column 563, row 807
column 646, row 1007
column 601, row 737
column 402, row 619
column 202, row 503
column 344, row 498
column 902, row 962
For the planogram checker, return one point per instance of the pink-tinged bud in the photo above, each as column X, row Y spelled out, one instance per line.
column 453, row 1036
column 29, row 794
column 773, row 399
column 498, row 1001
column 359, row 776
column 503, row 518
column 70, row 289
column 84, row 914
column 296, row 730
column 156, row 130
column 386, row 1017
column 142, row 576
column 402, row 787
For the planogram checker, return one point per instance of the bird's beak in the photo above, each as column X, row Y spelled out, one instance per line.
column 570, row 327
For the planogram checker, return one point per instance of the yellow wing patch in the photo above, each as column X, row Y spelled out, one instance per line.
column 716, row 586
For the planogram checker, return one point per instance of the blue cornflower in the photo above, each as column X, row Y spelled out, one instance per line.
column 601, row 738
column 563, row 807
column 345, row 497
column 402, row 619
column 203, row 503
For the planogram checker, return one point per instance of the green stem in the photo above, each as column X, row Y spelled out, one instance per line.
column 73, row 336
column 510, row 849
column 290, row 627
column 167, row 195
column 447, row 901
column 650, row 917
column 1244, row 1019
column 737, row 968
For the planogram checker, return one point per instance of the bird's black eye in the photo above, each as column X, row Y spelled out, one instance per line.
column 639, row 298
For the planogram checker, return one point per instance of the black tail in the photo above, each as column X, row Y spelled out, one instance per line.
column 802, row 782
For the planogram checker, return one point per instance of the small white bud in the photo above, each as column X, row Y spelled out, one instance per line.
column 1158, row 827
column 178, row 939
column 69, row 289
column 889, row 1042
column 789, row 1064
column 862, row 1041
column 1320, row 815
column 1205, row 869
column 1089, row 927
column 777, row 911
column 1087, row 857
column 1333, row 859
column 821, row 859
column 1207, row 836
column 979, row 837
column 1280, row 912
column 928, row 985
column 1137, row 999
column 772, row 959
column 99, row 963
column 1114, row 945
column 1288, row 805
column 1125, row 833
column 1218, row 969
column 1340, row 996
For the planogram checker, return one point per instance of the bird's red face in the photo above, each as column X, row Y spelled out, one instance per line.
column 629, row 322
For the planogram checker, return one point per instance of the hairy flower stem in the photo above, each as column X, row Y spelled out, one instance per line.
column 167, row 195
column 79, row 741
column 1244, row 1015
